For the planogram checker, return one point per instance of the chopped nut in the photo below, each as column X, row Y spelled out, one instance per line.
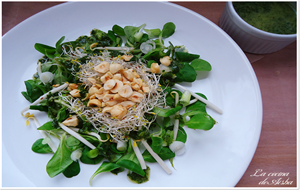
column 118, row 111
column 106, row 109
column 94, row 103
column 106, row 77
column 125, row 91
column 139, row 81
column 166, row 60
column 117, row 76
column 105, row 92
column 108, row 97
column 146, row 89
column 117, row 87
column 125, row 81
column 136, row 75
column 93, row 96
column 71, row 121
column 99, row 96
column 135, row 86
column 154, row 68
column 136, row 97
column 119, row 98
column 93, row 90
column 109, row 84
column 115, row 67
column 111, row 103
column 72, row 86
column 75, row 93
column 101, row 90
column 128, row 74
column 98, row 85
column 102, row 67
column 92, row 80
column 127, row 104
column 126, row 57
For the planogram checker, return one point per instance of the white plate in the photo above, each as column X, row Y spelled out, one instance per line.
column 215, row 158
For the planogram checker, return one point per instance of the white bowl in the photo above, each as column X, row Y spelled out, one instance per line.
column 249, row 38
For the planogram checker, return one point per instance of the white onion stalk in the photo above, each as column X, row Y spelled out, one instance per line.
column 54, row 90
column 193, row 101
column 39, row 68
column 138, row 154
column 209, row 104
column 156, row 157
column 77, row 136
column 177, row 147
column 114, row 48
column 44, row 134
column 90, row 133
column 176, row 126
column 176, row 122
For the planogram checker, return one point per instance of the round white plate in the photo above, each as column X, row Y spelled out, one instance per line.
column 215, row 158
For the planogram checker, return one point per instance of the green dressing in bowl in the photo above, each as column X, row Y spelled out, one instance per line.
column 273, row 17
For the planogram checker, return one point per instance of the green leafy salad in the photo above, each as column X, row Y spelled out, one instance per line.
column 113, row 99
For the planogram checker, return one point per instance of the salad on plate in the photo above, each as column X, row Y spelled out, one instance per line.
column 114, row 99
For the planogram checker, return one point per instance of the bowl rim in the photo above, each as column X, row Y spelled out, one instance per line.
column 246, row 26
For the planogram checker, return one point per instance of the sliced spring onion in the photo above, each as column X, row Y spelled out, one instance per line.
column 46, row 77
column 139, row 34
column 46, row 140
column 54, row 90
column 156, row 157
column 138, row 154
column 122, row 145
column 77, row 136
column 185, row 98
column 76, row 154
column 177, row 147
column 147, row 46
column 164, row 68
column 208, row 103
